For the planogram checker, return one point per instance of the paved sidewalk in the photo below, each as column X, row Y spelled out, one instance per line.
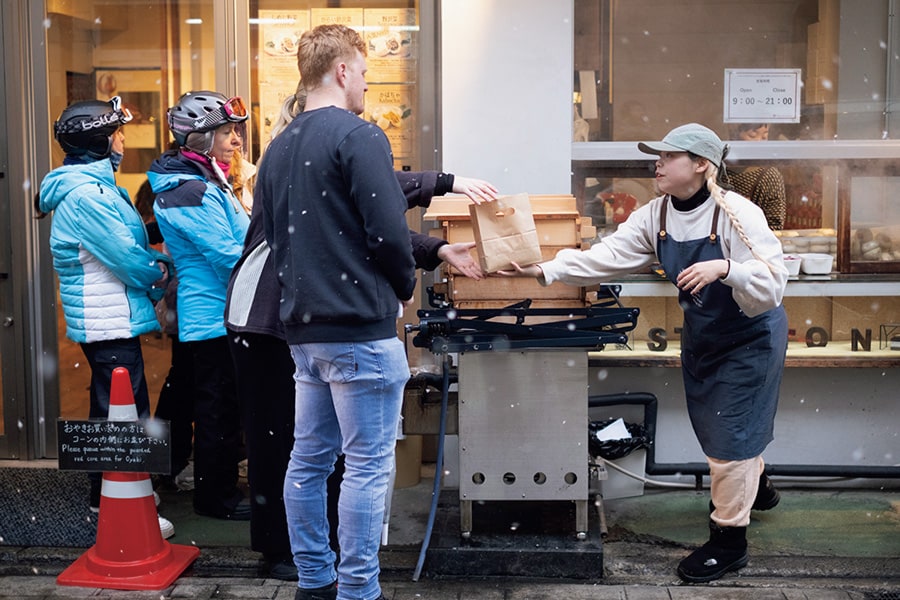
column 821, row 544
column 232, row 573
column 201, row 588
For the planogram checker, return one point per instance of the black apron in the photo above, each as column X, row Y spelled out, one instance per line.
column 732, row 364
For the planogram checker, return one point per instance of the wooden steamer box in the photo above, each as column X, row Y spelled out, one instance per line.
column 558, row 226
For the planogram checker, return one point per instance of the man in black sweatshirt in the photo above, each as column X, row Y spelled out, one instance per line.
column 334, row 219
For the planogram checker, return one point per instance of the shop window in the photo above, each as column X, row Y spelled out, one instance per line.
column 391, row 31
column 643, row 67
column 150, row 52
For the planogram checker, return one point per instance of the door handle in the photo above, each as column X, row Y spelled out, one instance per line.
column 8, row 321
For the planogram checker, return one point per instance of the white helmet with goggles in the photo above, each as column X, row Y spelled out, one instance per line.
column 86, row 128
column 195, row 117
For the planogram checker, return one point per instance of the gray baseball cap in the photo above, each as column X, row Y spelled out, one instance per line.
column 693, row 138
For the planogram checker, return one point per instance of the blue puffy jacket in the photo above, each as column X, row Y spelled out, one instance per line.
column 99, row 244
column 204, row 228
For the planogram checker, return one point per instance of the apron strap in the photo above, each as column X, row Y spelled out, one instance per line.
column 662, row 222
column 715, row 225
column 662, row 218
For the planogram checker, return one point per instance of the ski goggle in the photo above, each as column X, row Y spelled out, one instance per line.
column 118, row 116
column 233, row 111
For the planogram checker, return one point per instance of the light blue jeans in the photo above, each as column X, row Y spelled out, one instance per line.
column 348, row 400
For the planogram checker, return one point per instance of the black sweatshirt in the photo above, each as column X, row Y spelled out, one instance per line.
column 254, row 295
column 333, row 215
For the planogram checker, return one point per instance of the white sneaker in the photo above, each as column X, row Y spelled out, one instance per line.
column 165, row 527
column 184, row 481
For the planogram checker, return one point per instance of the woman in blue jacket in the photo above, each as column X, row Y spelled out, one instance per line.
column 109, row 277
column 203, row 225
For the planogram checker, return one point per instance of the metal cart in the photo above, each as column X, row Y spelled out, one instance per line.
column 523, row 387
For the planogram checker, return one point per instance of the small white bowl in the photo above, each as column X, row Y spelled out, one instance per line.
column 816, row 264
column 792, row 262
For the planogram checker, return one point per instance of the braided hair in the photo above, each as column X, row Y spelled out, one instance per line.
column 717, row 183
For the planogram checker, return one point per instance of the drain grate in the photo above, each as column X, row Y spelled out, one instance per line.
column 883, row 595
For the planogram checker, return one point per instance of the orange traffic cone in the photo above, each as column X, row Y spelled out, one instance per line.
column 130, row 552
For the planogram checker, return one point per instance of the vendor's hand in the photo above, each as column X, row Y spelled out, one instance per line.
column 529, row 271
column 476, row 189
column 699, row 275
column 458, row 256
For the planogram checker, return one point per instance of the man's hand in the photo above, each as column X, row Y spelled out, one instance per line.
column 476, row 189
column 457, row 256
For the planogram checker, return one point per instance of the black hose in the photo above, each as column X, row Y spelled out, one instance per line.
column 439, row 465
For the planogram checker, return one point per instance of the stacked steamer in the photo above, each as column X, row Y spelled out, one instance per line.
column 815, row 245
column 558, row 226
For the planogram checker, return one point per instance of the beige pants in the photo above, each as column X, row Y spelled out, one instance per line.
column 733, row 486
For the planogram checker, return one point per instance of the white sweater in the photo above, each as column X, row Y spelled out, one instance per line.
column 755, row 286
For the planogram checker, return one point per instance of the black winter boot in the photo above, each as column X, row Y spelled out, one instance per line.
column 767, row 497
column 329, row 592
column 725, row 551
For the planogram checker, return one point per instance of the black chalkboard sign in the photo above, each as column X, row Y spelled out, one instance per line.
column 128, row 446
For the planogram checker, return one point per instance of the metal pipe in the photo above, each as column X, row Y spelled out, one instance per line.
column 889, row 77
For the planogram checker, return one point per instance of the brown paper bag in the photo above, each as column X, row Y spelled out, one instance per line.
column 505, row 233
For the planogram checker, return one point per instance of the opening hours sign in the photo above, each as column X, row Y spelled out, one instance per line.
column 762, row 96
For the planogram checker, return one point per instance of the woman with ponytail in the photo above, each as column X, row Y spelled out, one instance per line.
column 717, row 248
column 204, row 224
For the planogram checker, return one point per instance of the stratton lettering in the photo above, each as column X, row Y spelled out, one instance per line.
column 816, row 337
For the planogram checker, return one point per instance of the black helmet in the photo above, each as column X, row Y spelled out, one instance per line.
column 87, row 127
column 203, row 112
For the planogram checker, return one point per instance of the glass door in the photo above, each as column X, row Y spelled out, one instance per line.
column 148, row 53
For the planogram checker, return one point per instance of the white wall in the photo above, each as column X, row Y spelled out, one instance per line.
column 507, row 68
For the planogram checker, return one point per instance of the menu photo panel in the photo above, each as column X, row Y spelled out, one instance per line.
column 391, row 35
column 391, row 108
column 349, row 17
column 279, row 37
